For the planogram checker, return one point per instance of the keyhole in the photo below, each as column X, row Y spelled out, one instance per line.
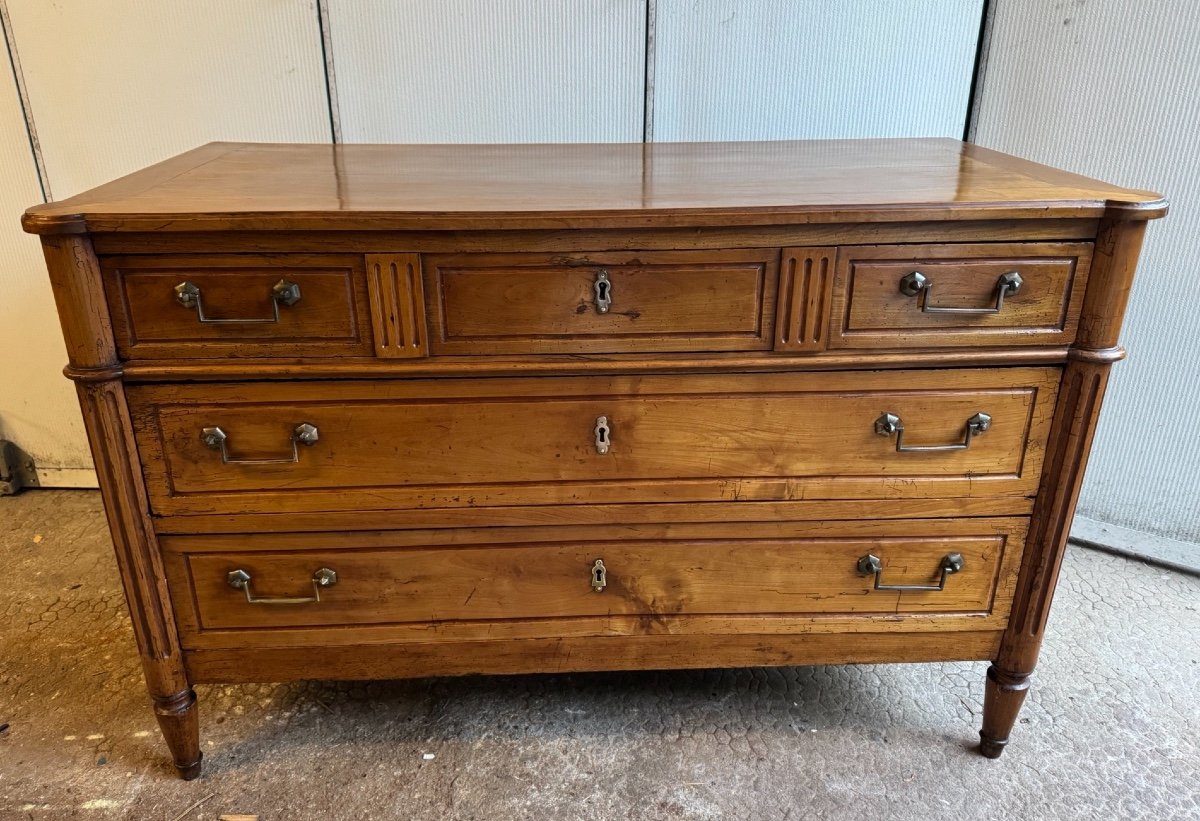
column 603, row 290
column 599, row 576
column 603, row 436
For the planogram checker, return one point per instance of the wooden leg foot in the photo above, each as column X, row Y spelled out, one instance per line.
column 192, row 772
column 1001, row 702
column 180, row 723
column 991, row 748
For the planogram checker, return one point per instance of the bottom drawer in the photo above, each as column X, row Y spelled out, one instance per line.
column 854, row 569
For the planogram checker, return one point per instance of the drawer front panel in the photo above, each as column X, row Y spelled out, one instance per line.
column 394, row 579
column 582, row 440
column 627, row 302
column 238, row 306
column 890, row 296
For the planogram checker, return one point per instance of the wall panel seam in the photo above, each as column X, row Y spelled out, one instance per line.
column 35, row 148
column 978, row 76
column 331, row 95
column 648, row 73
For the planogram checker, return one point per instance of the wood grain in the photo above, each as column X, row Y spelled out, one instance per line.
column 416, row 444
column 872, row 312
column 149, row 323
column 660, row 301
column 647, row 578
column 713, row 513
column 805, row 299
column 397, row 305
column 78, row 290
column 239, row 186
column 79, row 296
column 447, row 346
column 581, row 239
column 1080, row 397
column 213, row 370
column 1118, row 246
column 817, row 536
column 574, row 654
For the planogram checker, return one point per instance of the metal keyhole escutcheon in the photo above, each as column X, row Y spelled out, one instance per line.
column 603, row 433
column 603, row 288
column 599, row 576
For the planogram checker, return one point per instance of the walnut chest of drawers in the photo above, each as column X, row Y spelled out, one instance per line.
column 369, row 411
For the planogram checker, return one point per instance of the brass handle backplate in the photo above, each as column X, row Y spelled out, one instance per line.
column 217, row 439
column 917, row 283
column 603, row 291
column 889, row 423
column 239, row 579
column 284, row 292
column 870, row 563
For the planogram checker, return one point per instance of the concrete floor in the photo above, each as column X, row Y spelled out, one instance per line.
column 1110, row 729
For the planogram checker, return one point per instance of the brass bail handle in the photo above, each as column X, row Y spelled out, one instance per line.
column 217, row 439
column 870, row 563
column 889, row 424
column 284, row 292
column 911, row 284
column 240, row 579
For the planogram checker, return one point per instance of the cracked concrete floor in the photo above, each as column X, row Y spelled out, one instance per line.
column 1110, row 729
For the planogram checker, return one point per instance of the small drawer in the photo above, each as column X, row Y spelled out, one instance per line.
column 254, row 448
column 854, row 569
column 889, row 296
column 601, row 303
column 238, row 305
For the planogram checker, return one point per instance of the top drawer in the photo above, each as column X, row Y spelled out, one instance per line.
column 238, row 305
column 890, row 296
column 208, row 306
column 601, row 303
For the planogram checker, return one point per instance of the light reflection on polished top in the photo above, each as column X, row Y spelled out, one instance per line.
column 224, row 186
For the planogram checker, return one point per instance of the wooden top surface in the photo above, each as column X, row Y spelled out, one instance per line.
column 249, row 186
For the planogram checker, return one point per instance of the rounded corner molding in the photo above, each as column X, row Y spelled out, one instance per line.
column 1144, row 210
column 1100, row 356
column 108, row 373
column 35, row 222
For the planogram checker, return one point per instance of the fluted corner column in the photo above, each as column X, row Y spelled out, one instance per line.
column 1081, row 392
column 95, row 368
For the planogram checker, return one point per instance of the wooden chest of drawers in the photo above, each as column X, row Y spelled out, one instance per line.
column 368, row 411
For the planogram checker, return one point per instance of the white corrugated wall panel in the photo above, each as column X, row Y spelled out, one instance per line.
column 38, row 410
column 800, row 69
column 117, row 85
column 1109, row 88
column 461, row 71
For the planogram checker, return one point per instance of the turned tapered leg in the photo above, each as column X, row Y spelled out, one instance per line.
column 180, row 723
column 1008, row 678
column 94, row 365
column 1080, row 393
column 106, row 416
column 1001, row 702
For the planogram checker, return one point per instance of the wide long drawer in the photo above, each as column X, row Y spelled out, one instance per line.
column 850, row 569
column 429, row 443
